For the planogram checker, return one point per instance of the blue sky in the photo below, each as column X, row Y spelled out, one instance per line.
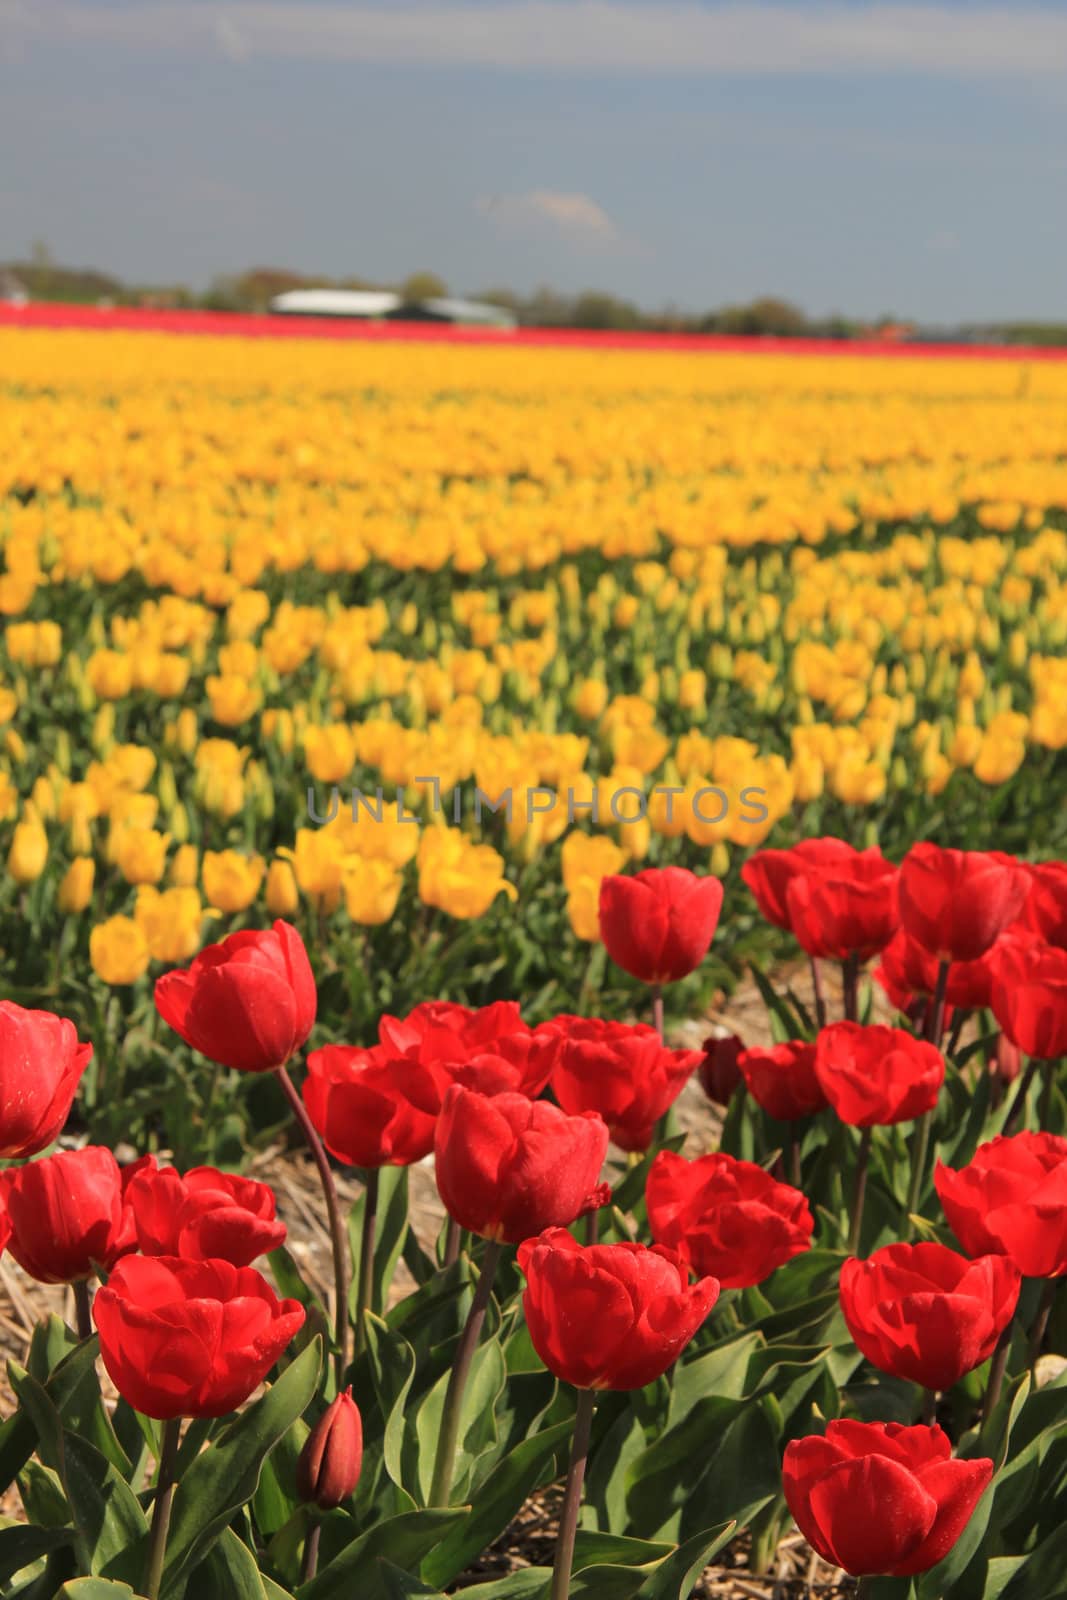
column 862, row 156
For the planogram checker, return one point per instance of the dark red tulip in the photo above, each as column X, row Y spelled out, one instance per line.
column 956, row 903
column 1007, row 1060
column 508, row 1167
column 846, row 908
column 873, row 1075
column 621, row 1071
column 329, row 1465
column 727, row 1219
column 880, row 1498
column 67, row 1215
column 41, row 1063
column 719, row 1072
column 781, row 1078
column 5, row 1222
column 202, row 1214
column 1011, row 1200
column 372, row 1109
column 609, row 1316
column 1029, row 994
column 768, row 873
column 248, row 1002
column 1045, row 911
column 190, row 1338
column 923, row 1313
column 490, row 1049
column 658, row 925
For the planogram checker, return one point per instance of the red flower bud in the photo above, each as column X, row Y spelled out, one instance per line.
column 330, row 1462
column 658, row 925
column 877, row 1497
column 248, row 1002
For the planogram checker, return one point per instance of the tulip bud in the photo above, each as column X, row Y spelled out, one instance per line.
column 329, row 1465
column 76, row 889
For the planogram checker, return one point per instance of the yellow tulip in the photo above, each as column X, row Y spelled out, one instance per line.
column 231, row 880
column 170, row 921
column 371, row 890
column 29, row 848
column 118, row 951
column 141, row 854
column 76, row 889
column 282, row 895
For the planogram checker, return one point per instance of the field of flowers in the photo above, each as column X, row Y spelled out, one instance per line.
column 725, row 601
column 384, row 728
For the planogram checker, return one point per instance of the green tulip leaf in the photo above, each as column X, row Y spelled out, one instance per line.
column 66, row 1388
column 231, row 1570
column 477, row 1427
column 21, row 1547
column 110, row 1526
column 95, row 1589
column 498, row 1500
column 225, row 1477
column 390, row 1233
column 405, row 1540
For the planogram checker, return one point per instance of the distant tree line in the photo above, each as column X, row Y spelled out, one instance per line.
column 253, row 291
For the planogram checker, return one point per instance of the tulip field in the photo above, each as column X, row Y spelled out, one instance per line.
column 406, row 751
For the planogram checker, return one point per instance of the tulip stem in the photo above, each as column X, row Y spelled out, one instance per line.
column 657, row 1009
column 997, row 1367
column 591, row 1227
column 935, row 1015
column 366, row 1256
column 929, row 1406
column 862, row 1160
column 451, row 1243
column 157, row 1538
column 794, row 1156
column 850, row 977
column 333, row 1211
column 918, row 1168
column 83, row 1315
column 816, row 989
column 572, row 1499
column 1037, row 1332
column 311, row 1553
column 1019, row 1103
column 448, row 1438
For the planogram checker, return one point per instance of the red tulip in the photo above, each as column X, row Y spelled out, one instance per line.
column 769, row 873
column 202, row 1214
column 1029, row 994
column 609, row 1316
column 508, row 1167
column 490, row 1049
column 621, row 1071
column 923, row 1313
column 5, row 1222
column 1045, row 911
column 67, row 1215
column 658, row 925
column 41, row 1063
column 329, row 1465
column 1011, row 1200
column 190, row 1338
column 874, row 1075
column 956, row 903
column 248, row 1002
column 781, row 1079
column 907, row 969
column 719, row 1072
column 846, row 908
column 877, row 1497
column 1006, row 1064
column 371, row 1108
column 726, row 1219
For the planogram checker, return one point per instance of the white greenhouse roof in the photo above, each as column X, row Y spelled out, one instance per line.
column 337, row 302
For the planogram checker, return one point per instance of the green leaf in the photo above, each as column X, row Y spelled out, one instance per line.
column 722, row 1372
column 111, row 1527
column 404, row 1540
column 231, row 1570
column 223, row 1479
column 66, row 1389
column 592, row 1549
column 399, row 1585
column 391, row 1227
column 677, row 1575
column 1040, row 1576
column 529, row 1583
column 498, row 1500
column 477, row 1426
column 94, row 1589
column 20, row 1547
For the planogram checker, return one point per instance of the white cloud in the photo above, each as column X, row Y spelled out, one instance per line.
column 577, row 216
column 638, row 36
